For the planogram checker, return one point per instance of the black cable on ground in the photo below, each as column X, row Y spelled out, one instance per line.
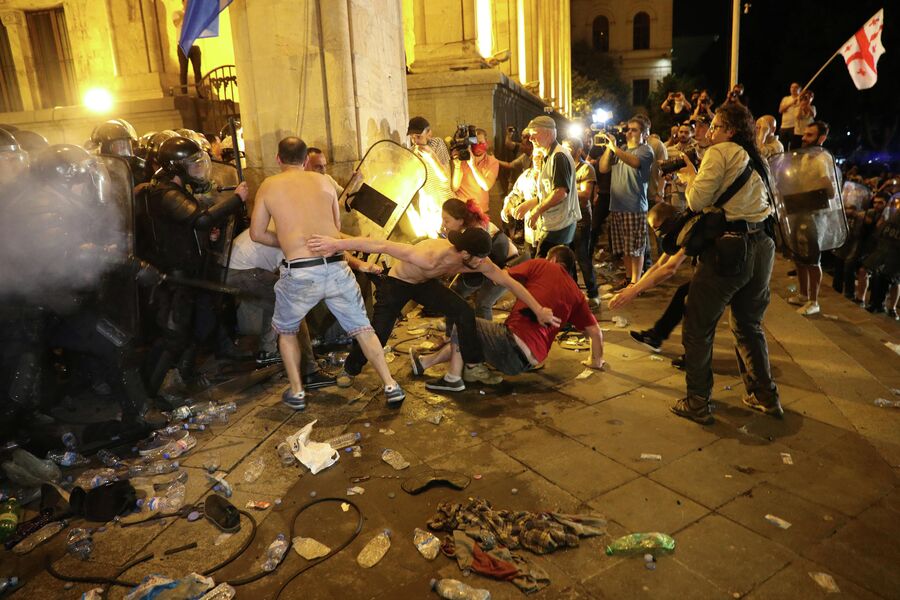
column 242, row 549
column 98, row 580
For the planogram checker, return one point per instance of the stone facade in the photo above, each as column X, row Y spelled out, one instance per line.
column 644, row 67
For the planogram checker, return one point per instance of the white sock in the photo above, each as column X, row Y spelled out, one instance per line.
column 451, row 378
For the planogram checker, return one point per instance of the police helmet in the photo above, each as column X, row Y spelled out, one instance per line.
column 183, row 157
column 113, row 138
column 29, row 141
column 65, row 165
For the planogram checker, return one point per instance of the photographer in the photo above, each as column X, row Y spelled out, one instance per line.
column 805, row 115
column 737, row 94
column 688, row 149
column 586, row 181
column 788, row 110
column 677, row 106
column 474, row 176
column 630, row 167
column 733, row 271
column 704, row 106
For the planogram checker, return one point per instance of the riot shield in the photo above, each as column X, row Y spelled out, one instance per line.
column 391, row 177
column 808, row 201
column 224, row 178
column 856, row 195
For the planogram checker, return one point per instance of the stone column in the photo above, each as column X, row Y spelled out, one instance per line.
column 20, row 48
column 330, row 71
column 446, row 36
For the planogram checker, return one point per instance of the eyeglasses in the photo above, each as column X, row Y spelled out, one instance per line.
column 635, row 129
column 714, row 127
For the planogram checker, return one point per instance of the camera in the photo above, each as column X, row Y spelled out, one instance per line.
column 615, row 134
column 679, row 162
column 463, row 138
column 513, row 133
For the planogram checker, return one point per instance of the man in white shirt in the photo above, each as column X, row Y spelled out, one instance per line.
column 788, row 110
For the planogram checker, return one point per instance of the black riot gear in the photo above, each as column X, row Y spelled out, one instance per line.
column 13, row 160
column 184, row 158
column 30, row 141
column 114, row 138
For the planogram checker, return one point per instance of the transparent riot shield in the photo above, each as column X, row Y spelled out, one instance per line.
column 808, row 201
column 224, row 178
column 390, row 176
column 856, row 195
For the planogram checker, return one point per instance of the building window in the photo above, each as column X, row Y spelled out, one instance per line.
column 601, row 34
column 53, row 62
column 641, row 31
column 640, row 91
column 10, row 98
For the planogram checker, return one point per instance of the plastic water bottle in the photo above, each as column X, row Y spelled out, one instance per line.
column 109, row 459
column 176, row 448
column 45, row 470
column 39, row 537
column 884, row 403
column 451, row 589
column 179, row 414
column 254, row 469
column 223, row 591
column 274, row 553
column 220, row 485
column 68, row 458
column 159, row 467
column 169, row 503
column 79, row 543
column 69, row 441
column 375, row 550
column 93, row 478
column 171, row 429
column 10, row 515
column 638, row 543
column 284, row 453
column 210, row 417
column 345, row 440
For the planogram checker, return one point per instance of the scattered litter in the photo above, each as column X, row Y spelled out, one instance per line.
column 658, row 358
column 79, row 543
column 830, row 317
column 792, row 289
column 154, row 586
column 309, row 548
column 387, row 431
column 223, row 591
column 220, row 485
column 254, row 469
column 416, row 331
column 893, row 346
column 828, row 518
column 345, row 507
column 356, row 451
column 473, row 434
column 641, row 542
column 212, row 462
column 826, row 582
column 743, row 429
column 745, row 469
column 367, row 424
column 514, row 491
column 94, row 593
column 435, row 417
column 313, row 494
column 620, row 321
column 375, row 550
column 477, row 476
column 645, row 456
column 356, row 491
column 259, row 504
column 316, row 456
column 895, row 391
column 395, row 459
column 427, row 345
column 360, row 479
column 392, row 495
column 344, row 440
column 223, row 537
column 778, row 522
column 585, row 374
column 194, row 515
column 426, row 543
column 727, row 388
column 389, row 357
column 786, row 458
column 884, row 403
column 284, row 453
column 729, row 476
column 275, row 553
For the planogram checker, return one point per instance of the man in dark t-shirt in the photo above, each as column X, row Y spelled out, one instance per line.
column 522, row 343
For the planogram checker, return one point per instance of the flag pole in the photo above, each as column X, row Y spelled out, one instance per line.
column 827, row 62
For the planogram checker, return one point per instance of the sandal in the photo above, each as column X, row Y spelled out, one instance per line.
column 222, row 513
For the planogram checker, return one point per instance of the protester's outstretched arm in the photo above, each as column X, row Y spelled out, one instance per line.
column 405, row 252
column 651, row 279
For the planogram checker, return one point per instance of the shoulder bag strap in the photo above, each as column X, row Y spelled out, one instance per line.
column 737, row 184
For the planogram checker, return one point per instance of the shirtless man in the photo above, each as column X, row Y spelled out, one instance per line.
column 304, row 204
column 414, row 277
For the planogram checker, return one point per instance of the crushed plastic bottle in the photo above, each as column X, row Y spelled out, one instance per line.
column 67, row 458
column 223, row 591
column 93, row 478
column 451, row 589
column 171, row 429
column 345, row 440
column 168, row 503
column 173, row 449
column 254, row 469
column 426, row 543
column 159, row 467
column 220, row 485
column 395, row 459
column 165, row 485
column 70, row 442
column 620, row 321
column 284, row 453
column 275, row 552
column 39, row 537
column 79, row 543
column 638, row 543
column 884, row 403
column 45, row 470
column 375, row 550
column 109, row 459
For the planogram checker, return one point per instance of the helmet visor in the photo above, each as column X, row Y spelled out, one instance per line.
column 198, row 167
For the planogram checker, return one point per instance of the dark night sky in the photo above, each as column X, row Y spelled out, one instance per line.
column 783, row 42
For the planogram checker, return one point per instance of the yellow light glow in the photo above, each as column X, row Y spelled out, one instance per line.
column 427, row 219
column 98, row 100
column 575, row 130
column 484, row 27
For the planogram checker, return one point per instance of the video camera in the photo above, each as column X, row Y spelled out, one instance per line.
column 613, row 133
column 463, row 138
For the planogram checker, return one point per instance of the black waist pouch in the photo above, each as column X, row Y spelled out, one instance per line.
column 731, row 254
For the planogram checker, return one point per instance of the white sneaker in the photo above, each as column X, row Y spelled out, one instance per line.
column 810, row 308
column 798, row 300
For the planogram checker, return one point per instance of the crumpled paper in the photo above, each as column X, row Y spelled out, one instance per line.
column 316, row 456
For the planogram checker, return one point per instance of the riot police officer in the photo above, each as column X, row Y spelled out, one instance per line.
column 176, row 229
column 117, row 137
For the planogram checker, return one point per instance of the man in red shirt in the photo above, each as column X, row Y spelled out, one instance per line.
column 522, row 343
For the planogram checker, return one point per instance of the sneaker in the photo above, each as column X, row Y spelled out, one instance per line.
column 810, row 308
column 442, row 385
column 874, row 309
column 694, row 408
column 594, row 302
column 772, row 408
column 264, row 358
column 647, row 338
column 480, row 373
column 395, row 395
column 892, row 313
column 678, row 363
column 797, row 300
column 319, row 379
column 296, row 401
column 344, row 379
column 417, row 368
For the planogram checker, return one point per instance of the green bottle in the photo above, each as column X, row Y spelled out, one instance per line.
column 636, row 543
column 10, row 515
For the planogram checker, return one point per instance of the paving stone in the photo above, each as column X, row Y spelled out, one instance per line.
column 794, row 582
column 732, row 557
column 227, row 450
column 644, row 505
column 483, row 459
column 260, row 422
column 671, row 579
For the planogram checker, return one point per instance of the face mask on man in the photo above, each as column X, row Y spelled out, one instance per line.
column 479, row 149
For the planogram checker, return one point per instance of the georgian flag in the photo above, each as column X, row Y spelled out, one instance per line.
column 862, row 51
column 201, row 20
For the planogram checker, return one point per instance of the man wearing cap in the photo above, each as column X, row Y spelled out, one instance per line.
column 415, row 276
column 521, row 343
column 433, row 152
column 555, row 212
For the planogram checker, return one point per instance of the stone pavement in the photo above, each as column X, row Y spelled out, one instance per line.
column 547, row 440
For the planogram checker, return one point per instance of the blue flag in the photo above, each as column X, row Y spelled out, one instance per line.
column 201, row 20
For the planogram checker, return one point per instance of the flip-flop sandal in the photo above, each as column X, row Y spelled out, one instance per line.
column 426, row 478
column 222, row 513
